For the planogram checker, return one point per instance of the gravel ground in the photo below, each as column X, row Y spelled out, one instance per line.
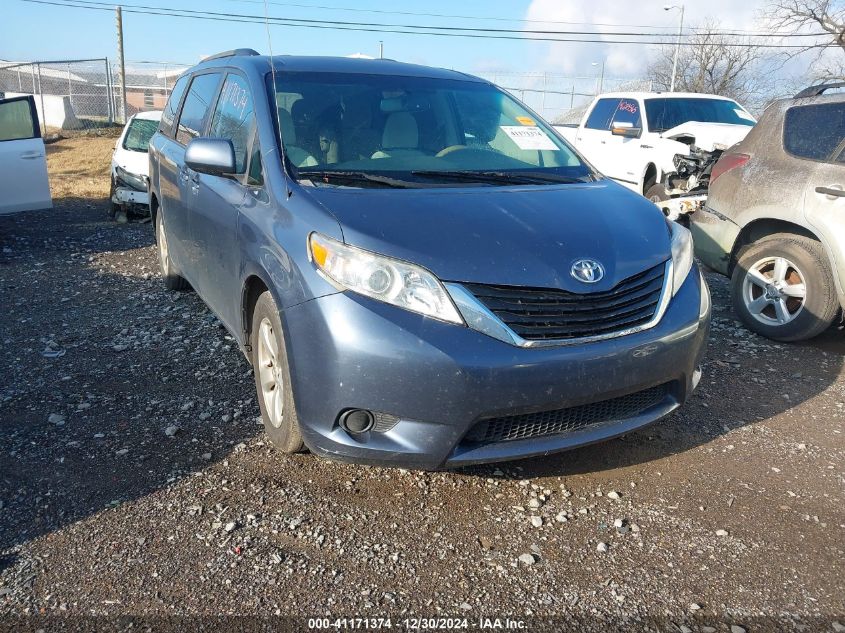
column 135, row 478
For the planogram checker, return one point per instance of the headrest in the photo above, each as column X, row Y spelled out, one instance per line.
column 401, row 132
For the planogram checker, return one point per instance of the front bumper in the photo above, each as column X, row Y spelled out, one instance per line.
column 714, row 236
column 125, row 195
column 440, row 380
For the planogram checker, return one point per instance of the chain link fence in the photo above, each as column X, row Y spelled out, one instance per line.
column 560, row 98
column 86, row 94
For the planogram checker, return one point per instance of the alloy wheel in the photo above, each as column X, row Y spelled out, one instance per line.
column 774, row 291
column 270, row 373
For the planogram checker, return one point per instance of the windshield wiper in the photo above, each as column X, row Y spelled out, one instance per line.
column 499, row 176
column 354, row 176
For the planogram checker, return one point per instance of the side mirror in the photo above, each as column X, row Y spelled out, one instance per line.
column 625, row 129
column 212, row 156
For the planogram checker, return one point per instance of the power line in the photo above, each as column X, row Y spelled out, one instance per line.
column 672, row 28
column 397, row 29
column 426, row 27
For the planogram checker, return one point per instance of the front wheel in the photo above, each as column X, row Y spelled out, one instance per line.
column 172, row 280
column 272, row 377
column 782, row 288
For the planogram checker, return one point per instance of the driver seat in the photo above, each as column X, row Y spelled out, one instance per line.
column 401, row 137
column 298, row 156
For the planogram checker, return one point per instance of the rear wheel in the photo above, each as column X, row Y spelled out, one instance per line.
column 272, row 377
column 783, row 288
column 172, row 280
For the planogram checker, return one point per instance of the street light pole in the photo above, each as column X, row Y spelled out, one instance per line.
column 677, row 45
column 601, row 76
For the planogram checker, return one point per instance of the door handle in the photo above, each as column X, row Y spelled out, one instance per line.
column 31, row 155
column 834, row 191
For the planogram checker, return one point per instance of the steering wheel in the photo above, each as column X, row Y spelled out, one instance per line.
column 448, row 150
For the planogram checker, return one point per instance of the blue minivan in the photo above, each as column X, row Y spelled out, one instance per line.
column 421, row 271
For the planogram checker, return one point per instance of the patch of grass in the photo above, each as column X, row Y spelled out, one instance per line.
column 79, row 167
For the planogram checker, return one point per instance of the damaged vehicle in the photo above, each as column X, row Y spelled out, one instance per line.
column 774, row 221
column 130, row 167
column 662, row 145
column 421, row 272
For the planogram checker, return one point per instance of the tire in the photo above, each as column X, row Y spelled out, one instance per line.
column 272, row 377
column 657, row 193
column 113, row 208
column 778, row 310
column 172, row 279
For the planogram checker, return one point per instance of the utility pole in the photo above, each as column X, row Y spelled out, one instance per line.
column 381, row 49
column 121, row 62
column 677, row 45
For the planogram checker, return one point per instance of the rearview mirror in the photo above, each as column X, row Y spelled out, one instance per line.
column 212, row 156
column 625, row 129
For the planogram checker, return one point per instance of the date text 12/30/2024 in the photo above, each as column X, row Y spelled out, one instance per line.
column 417, row 624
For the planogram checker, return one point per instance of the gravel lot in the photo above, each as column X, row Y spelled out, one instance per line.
column 135, row 479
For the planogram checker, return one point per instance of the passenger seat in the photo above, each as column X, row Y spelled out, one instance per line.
column 298, row 156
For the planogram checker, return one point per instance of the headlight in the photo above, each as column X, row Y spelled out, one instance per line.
column 136, row 181
column 681, row 255
column 383, row 278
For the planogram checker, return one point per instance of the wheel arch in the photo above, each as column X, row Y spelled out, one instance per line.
column 650, row 177
column 154, row 206
column 765, row 227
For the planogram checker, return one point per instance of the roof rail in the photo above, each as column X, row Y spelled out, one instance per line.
column 815, row 91
column 233, row 53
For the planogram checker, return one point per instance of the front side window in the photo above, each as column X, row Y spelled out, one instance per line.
column 600, row 117
column 234, row 118
column 415, row 130
column 197, row 107
column 16, row 121
column 169, row 113
column 816, row 132
column 665, row 113
column 628, row 111
column 138, row 135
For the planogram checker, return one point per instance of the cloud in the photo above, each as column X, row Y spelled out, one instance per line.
column 622, row 61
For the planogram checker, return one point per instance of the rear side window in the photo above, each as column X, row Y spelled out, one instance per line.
column 169, row 113
column 197, row 107
column 815, row 131
column 16, row 120
column 628, row 111
column 234, row 118
column 602, row 114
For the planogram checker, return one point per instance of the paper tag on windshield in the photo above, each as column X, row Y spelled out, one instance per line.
column 742, row 114
column 528, row 137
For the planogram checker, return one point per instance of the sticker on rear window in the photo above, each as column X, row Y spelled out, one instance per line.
column 529, row 137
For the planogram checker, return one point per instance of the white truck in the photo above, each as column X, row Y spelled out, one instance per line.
column 661, row 145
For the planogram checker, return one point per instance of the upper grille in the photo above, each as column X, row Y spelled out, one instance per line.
column 538, row 314
column 545, row 423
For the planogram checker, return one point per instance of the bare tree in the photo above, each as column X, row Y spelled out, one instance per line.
column 715, row 63
column 798, row 17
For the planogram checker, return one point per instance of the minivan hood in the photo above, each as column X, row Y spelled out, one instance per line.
column 709, row 135
column 516, row 236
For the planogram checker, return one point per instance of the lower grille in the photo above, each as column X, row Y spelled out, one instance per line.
column 560, row 421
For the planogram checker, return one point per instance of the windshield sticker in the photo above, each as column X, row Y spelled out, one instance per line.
column 524, row 120
column 627, row 106
column 529, row 137
column 742, row 114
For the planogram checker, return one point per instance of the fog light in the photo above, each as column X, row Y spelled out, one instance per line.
column 356, row 421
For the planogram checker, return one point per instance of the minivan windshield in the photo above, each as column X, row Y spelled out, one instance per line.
column 139, row 134
column 360, row 130
column 668, row 112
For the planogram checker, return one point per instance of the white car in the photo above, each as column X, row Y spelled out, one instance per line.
column 658, row 144
column 130, row 166
column 23, row 160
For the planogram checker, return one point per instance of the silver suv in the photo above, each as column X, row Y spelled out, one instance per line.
column 775, row 217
